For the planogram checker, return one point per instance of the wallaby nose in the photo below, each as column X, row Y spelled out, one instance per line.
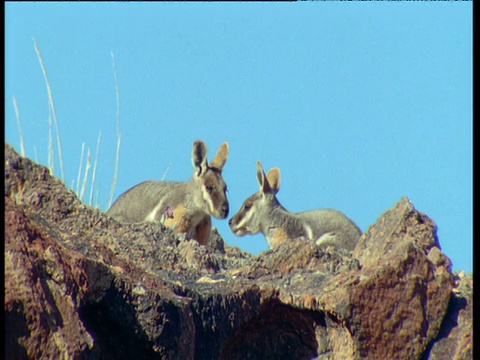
column 230, row 222
column 225, row 209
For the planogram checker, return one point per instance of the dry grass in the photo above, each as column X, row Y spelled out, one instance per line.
column 119, row 134
column 19, row 122
column 80, row 169
column 81, row 188
column 94, row 175
column 52, row 109
column 87, row 172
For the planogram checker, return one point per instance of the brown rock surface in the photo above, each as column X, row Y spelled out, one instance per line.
column 454, row 340
column 80, row 285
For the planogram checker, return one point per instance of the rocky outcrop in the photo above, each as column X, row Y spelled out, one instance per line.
column 454, row 340
column 80, row 285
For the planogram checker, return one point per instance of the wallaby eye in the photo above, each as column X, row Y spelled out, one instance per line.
column 247, row 206
column 209, row 189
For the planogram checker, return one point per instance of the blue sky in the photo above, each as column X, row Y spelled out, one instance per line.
column 358, row 104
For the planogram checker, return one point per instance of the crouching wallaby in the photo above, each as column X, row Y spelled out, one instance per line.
column 263, row 213
column 184, row 206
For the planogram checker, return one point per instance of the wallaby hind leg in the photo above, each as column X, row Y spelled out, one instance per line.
column 335, row 239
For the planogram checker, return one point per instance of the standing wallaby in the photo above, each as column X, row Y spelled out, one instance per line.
column 263, row 213
column 184, row 206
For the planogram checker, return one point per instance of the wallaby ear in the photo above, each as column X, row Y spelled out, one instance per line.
column 221, row 157
column 274, row 180
column 199, row 157
column 262, row 179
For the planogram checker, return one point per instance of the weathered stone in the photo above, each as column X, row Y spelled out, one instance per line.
column 455, row 340
column 80, row 285
column 44, row 285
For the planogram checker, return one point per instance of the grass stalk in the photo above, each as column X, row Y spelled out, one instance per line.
column 119, row 134
column 19, row 122
column 51, row 153
column 52, row 108
column 87, row 172
column 94, row 174
column 79, row 177
column 164, row 176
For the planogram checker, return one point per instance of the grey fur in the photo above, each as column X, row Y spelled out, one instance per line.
column 263, row 213
column 185, row 206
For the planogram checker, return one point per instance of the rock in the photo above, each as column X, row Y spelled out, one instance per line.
column 454, row 340
column 44, row 284
column 80, row 285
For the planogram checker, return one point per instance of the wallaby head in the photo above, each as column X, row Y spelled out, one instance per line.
column 252, row 217
column 209, row 188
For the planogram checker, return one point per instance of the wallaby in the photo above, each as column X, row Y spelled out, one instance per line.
column 184, row 206
column 263, row 213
